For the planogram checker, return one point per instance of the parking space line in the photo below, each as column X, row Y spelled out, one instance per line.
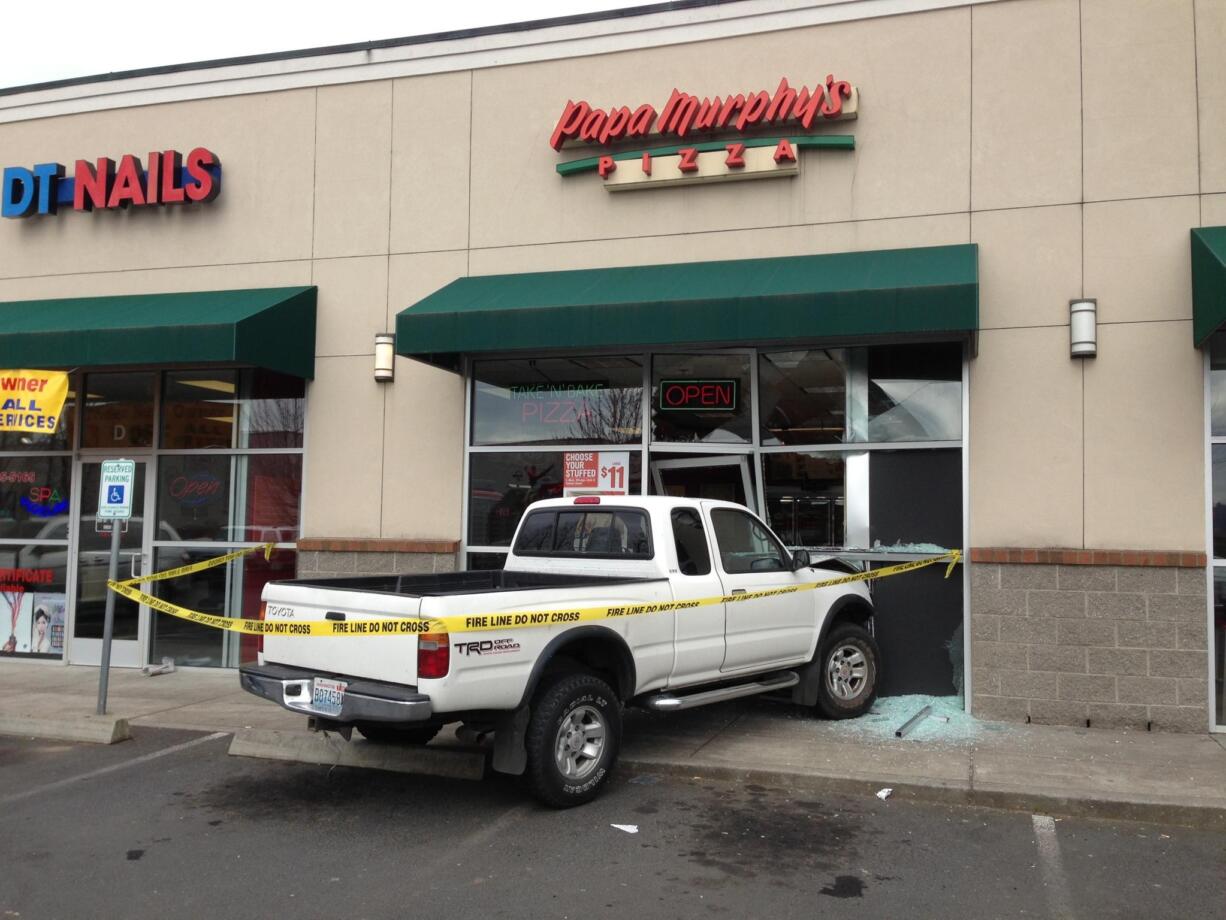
column 1055, row 882
column 135, row 761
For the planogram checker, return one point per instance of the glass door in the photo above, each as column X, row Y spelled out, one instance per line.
column 723, row 478
column 88, row 591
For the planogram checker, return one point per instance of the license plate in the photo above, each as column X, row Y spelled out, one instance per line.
column 327, row 696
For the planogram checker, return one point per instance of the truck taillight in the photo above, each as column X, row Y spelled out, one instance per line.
column 433, row 655
column 259, row 640
column 588, row 500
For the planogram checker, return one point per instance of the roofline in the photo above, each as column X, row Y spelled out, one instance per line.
column 380, row 44
column 568, row 38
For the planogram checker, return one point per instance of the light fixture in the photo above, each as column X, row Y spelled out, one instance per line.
column 385, row 357
column 1083, row 327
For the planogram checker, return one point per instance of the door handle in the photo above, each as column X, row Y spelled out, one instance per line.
column 133, row 558
column 738, row 591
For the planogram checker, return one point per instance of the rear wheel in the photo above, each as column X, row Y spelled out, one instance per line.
column 849, row 663
column 397, row 734
column 572, row 741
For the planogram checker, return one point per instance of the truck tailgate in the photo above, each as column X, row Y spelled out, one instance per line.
column 377, row 657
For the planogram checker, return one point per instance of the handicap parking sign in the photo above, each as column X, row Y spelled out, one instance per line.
column 115, row 490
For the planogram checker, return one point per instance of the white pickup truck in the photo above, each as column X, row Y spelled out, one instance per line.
column 553, row 694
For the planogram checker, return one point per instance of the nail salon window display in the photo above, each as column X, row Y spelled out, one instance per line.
column 35, row 502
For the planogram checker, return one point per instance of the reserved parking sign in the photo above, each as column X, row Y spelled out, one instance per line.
column 115, row 490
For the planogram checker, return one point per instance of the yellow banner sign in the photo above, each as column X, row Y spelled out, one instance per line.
column 32, row 401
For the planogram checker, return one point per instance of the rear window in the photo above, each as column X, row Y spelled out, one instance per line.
column 611, row 533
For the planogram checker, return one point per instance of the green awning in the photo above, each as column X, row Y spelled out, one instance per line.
column 1208, row 282
column 272, row 328
column 924, row 291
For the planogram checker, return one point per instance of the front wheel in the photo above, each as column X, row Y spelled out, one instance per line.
column 572, row 741
column 849, row 661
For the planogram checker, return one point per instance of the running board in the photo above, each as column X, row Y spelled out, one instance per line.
column 669, row 702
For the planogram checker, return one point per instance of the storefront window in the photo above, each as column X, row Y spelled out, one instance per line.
column 804, row 396
column 914, row 393
column 1219, row 501
column 701, row 398
column 60, row 439
column 842, row 460
column 273, row 486
column 194, row 496
column 594, row 400
column 502, row 486
column 806, row 498
column 198, row 409
column 118, row 410
column 34, row 496
column 233, row 589
column 1219, row 643
column 1217, row 385
column 211, row 409
column 33, row 598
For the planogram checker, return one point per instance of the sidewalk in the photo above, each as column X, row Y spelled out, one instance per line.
column 1094, row 772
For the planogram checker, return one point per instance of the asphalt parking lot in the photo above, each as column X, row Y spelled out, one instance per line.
column 169, row 825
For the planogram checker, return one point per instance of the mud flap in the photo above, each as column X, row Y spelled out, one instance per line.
column 805, row 692
column 510, row 755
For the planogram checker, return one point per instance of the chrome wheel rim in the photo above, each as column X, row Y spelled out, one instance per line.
column 846, row 672
column 580, row 742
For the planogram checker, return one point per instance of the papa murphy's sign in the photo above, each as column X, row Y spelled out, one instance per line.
column 165, row 177
column 688, row 120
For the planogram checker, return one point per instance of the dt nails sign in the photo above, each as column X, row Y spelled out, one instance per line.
column 166, row 177
column 742, row 122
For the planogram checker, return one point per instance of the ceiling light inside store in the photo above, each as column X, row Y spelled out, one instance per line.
column 228, row 419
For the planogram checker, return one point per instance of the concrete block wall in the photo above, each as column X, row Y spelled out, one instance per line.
column 1119, row 646
column 325, row 564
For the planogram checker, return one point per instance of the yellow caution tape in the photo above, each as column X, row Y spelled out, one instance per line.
column 180, row 571
column 478, row 622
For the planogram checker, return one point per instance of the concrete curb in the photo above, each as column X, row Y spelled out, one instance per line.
column 1201, row 817
column 92, row 729
column 319, row 748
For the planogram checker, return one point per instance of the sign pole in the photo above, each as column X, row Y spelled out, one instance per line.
column 109, row 622
column 115, row 505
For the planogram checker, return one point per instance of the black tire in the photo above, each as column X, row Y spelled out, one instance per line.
column 563, row 706
column 839, row 679
column 391, row 733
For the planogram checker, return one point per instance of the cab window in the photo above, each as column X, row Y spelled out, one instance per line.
column 693, row 557
column 745, row 545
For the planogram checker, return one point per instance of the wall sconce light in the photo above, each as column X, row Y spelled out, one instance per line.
column 1083, row 327
column 385, row 357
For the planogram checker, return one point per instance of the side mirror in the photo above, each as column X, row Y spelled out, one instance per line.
column 800, row 560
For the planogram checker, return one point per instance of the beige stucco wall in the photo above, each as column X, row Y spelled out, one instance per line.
column 1078, row 171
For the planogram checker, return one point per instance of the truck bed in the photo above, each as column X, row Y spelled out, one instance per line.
column 447, row 584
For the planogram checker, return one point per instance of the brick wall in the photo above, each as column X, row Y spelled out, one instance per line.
column 1119, row 645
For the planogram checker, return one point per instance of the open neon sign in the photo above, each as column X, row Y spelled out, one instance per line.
column 698, row 395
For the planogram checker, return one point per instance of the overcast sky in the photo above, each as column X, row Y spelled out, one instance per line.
column 84, row 39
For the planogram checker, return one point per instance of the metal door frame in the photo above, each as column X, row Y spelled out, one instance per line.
column 82, row 651
column 741, row 460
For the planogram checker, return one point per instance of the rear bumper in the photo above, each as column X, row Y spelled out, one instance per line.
column 365, row 700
